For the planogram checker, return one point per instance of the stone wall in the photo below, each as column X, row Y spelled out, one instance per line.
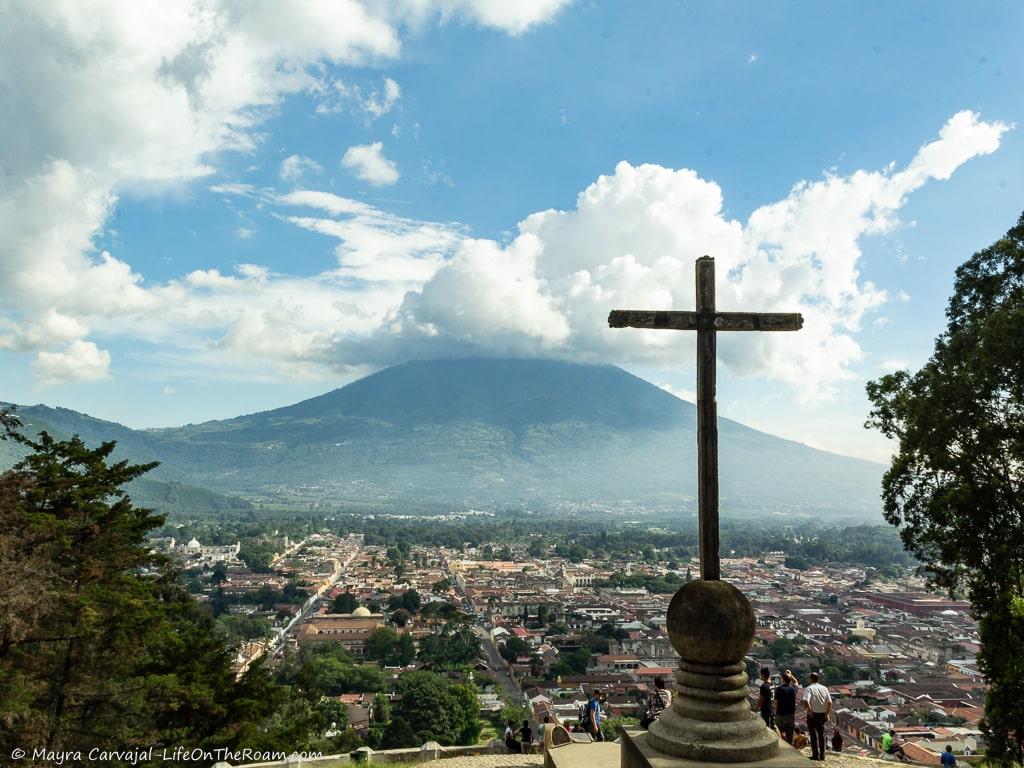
column 429, row 751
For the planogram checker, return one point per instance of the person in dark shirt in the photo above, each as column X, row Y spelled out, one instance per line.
column 947, row 758
column 526, row 737
column 785, row 707
column 764, row 698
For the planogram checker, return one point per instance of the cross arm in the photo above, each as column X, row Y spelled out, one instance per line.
column 689, row 321
column 641, row 318
column 758, row 321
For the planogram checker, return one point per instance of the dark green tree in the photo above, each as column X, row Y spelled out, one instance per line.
column 513, row 648
column 454, row 646
column 411, row 600
column 426, row 706
column 955, row 489
column 344, row 603
column 381, row 708
column 433, row 709
column 390, row 648
column 257, row 556
column 99, row 645
column 467, row 725
column 399, row 735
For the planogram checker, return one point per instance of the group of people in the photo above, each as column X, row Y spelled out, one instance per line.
column 778, row 708
column 524, row 744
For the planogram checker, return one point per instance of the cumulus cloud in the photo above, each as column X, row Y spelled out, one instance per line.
column 79, row 361
column 135, row 94
column 86, row 84
column 367, row 161
column 631, row 241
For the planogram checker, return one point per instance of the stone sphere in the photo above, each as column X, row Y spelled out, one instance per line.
column 710, row 622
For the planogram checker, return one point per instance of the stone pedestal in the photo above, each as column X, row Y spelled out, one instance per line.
column 711, row 625
column 636, row 752
column 711, row 720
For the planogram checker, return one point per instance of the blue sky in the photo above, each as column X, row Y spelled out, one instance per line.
column 429, row 138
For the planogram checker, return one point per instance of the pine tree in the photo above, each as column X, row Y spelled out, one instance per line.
column 111, row 652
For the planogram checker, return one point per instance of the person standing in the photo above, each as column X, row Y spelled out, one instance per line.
column 947, row 757
column 785, row 707
column 818, row 701
column 658, row 701
column 593, row 719
column 526, row 738
column 541, row 730
column 765, row 705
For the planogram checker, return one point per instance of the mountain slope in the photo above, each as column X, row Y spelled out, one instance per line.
column 165, row 497
column 493, row 431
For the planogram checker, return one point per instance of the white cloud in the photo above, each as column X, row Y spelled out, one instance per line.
column 79, row 361
column 403, row 288
column 376, row 246
column 86, row 84
column 889, row 366
column 244, row 233
column 139, row 94
column 48, row 329
column 169, row 390
column 683, row 394
column 513, row 17
column 381, row 103
column 631, row 241
column 294, row 167
column 334, row 95
column 370, row 165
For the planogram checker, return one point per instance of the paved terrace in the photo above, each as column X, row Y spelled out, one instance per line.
column 600, row 756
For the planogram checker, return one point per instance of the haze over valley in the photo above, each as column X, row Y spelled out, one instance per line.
column 526, row 433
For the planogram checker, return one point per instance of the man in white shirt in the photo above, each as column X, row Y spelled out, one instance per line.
column 818, row 702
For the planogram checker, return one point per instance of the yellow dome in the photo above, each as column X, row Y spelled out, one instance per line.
column 362, row 611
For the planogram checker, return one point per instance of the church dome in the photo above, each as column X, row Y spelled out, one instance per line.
column 362, row 611
column 194, row 544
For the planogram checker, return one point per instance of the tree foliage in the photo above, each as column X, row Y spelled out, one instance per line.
column 99, row 645
column 435, row 710
column 956, row 487
column 513, row 648
column 454, row 646
column 390, row 648
column 344, row 603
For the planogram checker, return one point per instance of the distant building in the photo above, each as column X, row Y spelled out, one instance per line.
column 867, row 633
column 194, row 552
column 349, row 630
column 917, row 603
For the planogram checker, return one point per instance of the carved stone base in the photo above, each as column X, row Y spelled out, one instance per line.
column 637, row 751
column 710, row 719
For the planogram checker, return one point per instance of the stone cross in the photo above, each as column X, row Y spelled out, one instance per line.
column 706, row 322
